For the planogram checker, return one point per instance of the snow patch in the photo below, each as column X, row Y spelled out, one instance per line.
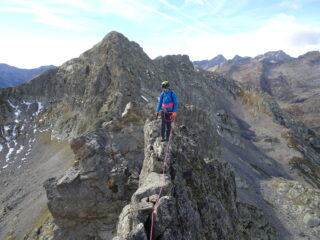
column 40, row 108
column 31, row 140
column 9, row 153
column 27, row 103
column 17, row 110
column 14, row 133
column 144, row 98
column 20, row 149
column 17, row 113
column 219, row 133
column 11, row 105
column 44, row 130
column 1, row 147
column 29, row 150
column 5, row 166
column 6, row 133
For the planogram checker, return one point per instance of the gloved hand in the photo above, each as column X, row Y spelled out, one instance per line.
column 173, row 115
column 157, row 114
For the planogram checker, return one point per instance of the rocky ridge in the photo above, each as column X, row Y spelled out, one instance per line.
column 196, row 187
column 273, row 56
column 103, row 100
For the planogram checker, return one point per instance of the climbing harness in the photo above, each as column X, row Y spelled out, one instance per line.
column 163, row 176
column 165, row 119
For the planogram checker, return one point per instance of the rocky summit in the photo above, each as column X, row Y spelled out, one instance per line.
column 207, row 64
column 82, row 158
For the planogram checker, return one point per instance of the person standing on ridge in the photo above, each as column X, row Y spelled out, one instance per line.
column 168, row 103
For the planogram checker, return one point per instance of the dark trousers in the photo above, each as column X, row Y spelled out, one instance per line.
column 165, row 124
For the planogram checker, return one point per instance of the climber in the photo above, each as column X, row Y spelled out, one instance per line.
column 168, row 103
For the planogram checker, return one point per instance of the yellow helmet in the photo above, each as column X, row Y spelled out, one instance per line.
column 165, row 84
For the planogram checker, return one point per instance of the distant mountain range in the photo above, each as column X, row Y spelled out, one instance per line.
column 12, row 76
column 272, row 57
column 206, row 64
column 294, row 82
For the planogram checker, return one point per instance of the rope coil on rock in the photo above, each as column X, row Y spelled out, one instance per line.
column 163, row 178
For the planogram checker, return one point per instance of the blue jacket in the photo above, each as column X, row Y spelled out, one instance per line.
column 168, row 100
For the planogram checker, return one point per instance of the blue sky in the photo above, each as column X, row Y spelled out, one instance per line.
column 42, row 32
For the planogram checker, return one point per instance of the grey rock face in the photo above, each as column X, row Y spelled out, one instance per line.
column 300, row 137
column 312, row 220
column 88, row 199
column 198, row 200
column 103, row 102
column 300, row 202
column 254, row 224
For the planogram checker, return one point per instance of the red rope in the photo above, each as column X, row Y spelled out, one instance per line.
column 163, row 179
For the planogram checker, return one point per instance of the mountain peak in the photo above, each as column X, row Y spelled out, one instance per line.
column 114, row 36
column 206, row 64
column 112, row 39
column 219, row 58
column 310, row 54
column 239, row 59
column 273, row 56
column 113, row 44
